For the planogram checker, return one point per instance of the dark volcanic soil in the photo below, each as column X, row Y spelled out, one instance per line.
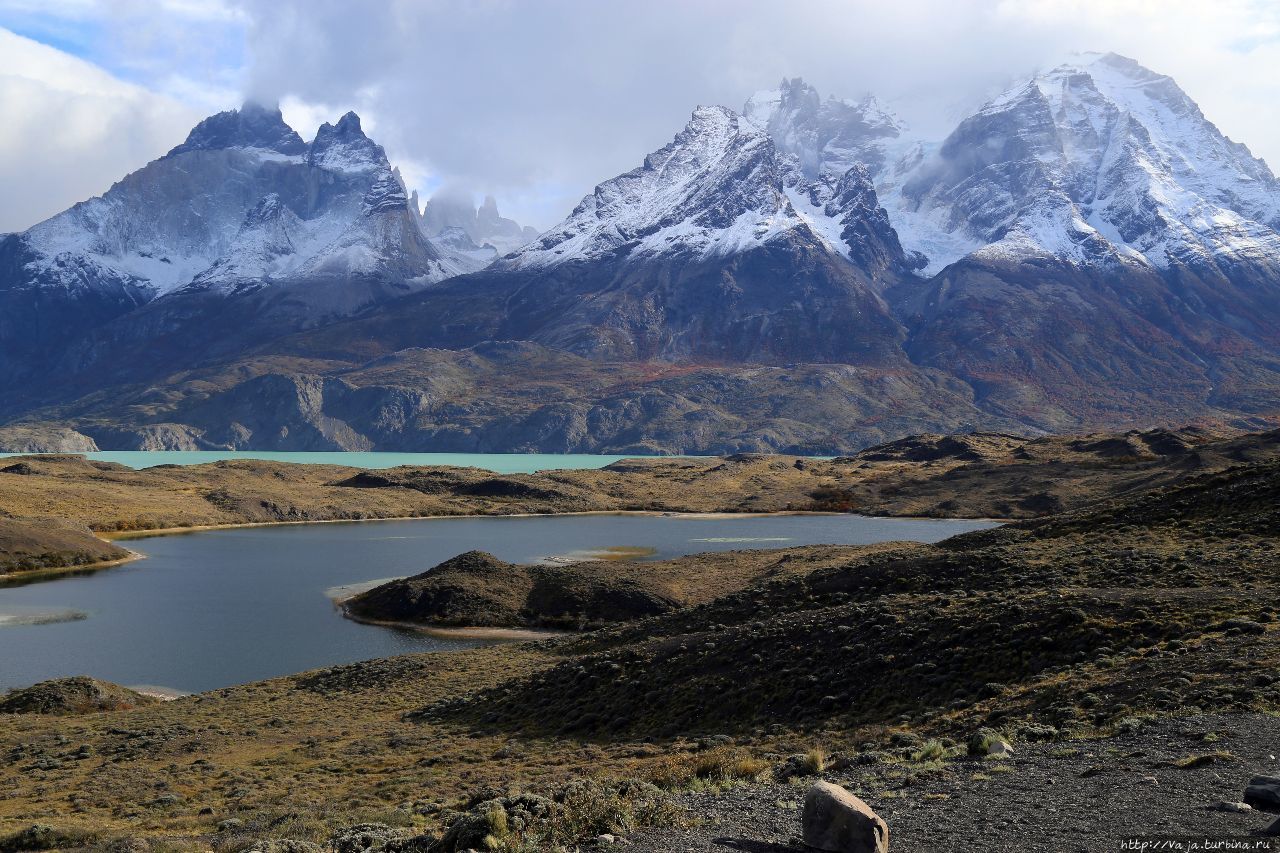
column 1084, row 796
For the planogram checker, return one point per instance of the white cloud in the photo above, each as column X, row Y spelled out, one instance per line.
column 71, row 129
column 536, row 102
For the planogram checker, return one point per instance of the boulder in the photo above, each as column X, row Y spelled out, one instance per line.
column 1263, row 792
column 836, row 821
column 1274, row 829
column 1000, row 749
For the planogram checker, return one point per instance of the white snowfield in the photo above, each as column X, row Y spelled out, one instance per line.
column 720, row 188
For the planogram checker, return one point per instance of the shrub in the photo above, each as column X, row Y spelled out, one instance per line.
column 933, row 750
column 44, row 837
column 580, row 810
column 718, row 766
column 980, row 741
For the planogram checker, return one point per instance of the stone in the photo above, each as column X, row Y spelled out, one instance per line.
column 1225, row 806
column 1263, row 792
column 836, row 821
column 1000, row 749
column 1274, row 829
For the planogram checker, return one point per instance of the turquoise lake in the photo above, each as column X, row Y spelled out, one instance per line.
column 502, row 463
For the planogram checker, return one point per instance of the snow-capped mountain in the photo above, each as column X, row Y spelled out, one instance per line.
column 719, row 189
column 1085, row 249
column 1097, row 161
column 243, row 205
column 1103, row 160
column 242, row 201
column 717, row 245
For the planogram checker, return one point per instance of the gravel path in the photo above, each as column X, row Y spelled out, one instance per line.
column 1056, row 798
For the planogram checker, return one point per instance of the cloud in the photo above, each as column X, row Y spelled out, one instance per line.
column 536, row 102
column 71, row 129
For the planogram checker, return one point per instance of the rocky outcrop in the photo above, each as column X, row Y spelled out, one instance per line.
column 70, row 696
column 478, row 589
column 44, row 439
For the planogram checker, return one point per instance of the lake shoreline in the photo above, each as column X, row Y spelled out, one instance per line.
column 496, row 634
column 15, row 579
column 264, row 599
column 123, row 535
column 116, row 536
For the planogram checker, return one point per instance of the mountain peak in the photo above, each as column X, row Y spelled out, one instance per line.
column 345, row 147
column 828, row 137
column 451, row 216
column 252, row 126
column 348, row 127
column 1130, row 66
column 721, row 188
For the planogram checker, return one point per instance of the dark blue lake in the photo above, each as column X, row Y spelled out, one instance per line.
column 215, row 608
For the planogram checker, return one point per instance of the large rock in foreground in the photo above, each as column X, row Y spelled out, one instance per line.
column 837, row 821
column 68, row 696
column 1263, row 793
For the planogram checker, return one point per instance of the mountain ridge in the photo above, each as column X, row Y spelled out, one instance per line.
column 1085, row 250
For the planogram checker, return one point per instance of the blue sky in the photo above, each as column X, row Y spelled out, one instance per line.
column 535, row 101
column 150, row 44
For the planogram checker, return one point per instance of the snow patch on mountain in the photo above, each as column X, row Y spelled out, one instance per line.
column 241, row 203
column 1099, row 160
column 344, row 148
column 720, row 188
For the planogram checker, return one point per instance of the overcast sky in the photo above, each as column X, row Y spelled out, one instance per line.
column 536, row 101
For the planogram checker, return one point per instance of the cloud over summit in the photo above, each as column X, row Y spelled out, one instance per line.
column 537, row 102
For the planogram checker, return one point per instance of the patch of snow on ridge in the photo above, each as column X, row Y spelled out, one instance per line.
column 243, row 202
column 826, row 228
column 1149, row 178
column 1144, row 168
column 715, row 189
